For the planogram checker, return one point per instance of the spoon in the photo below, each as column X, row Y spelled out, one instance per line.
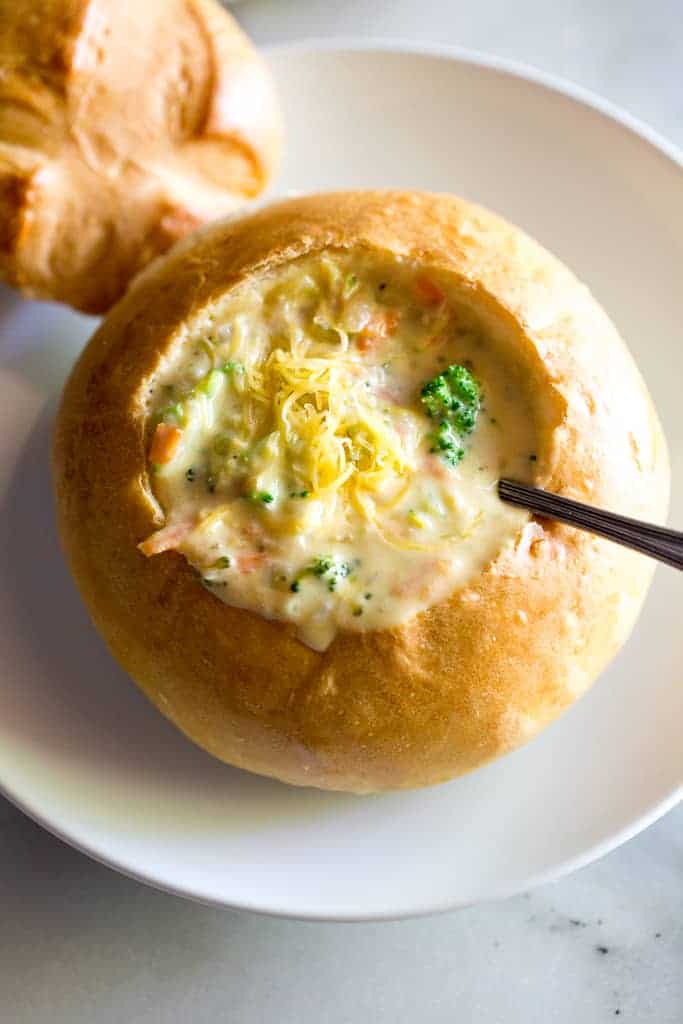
column 656, row 541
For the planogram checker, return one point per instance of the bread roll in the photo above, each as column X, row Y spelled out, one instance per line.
column 275, row 469
column 122, row 126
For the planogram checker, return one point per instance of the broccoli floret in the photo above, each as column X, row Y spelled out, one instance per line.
column 329, row 569
column 232, row 367
column 447, row 443
column 320, row 566
column 453, row 394
column 453, row 398
column 259, row 497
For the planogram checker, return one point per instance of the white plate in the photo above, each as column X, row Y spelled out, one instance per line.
column 82, row 751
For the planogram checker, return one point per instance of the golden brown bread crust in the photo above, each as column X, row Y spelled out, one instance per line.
column 122, row 126
column 461, row 683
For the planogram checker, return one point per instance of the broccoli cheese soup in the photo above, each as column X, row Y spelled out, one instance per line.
column 325, row 443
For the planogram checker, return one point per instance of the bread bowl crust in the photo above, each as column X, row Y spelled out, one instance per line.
column 461, row 683
column 122, row 127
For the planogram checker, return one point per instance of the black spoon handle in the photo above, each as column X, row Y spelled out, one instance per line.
column 656, row 541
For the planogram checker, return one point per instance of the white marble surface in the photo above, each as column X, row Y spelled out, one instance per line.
column 80, row 944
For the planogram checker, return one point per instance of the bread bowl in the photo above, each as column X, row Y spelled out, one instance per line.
column 268, row 486
column 122, row 126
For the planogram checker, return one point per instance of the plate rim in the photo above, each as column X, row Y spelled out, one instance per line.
column 508, row 66
column 610, row 111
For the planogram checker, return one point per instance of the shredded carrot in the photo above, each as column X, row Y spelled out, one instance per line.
column 433, row 466
column 165, row 539
column 164, row 443
column 247, row 563
column 378, row 329
column 428, row 291
column 414, row 583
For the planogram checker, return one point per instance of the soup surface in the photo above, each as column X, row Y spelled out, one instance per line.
column 326, row 440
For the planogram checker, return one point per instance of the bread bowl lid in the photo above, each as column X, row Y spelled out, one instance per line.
column 121, row 137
